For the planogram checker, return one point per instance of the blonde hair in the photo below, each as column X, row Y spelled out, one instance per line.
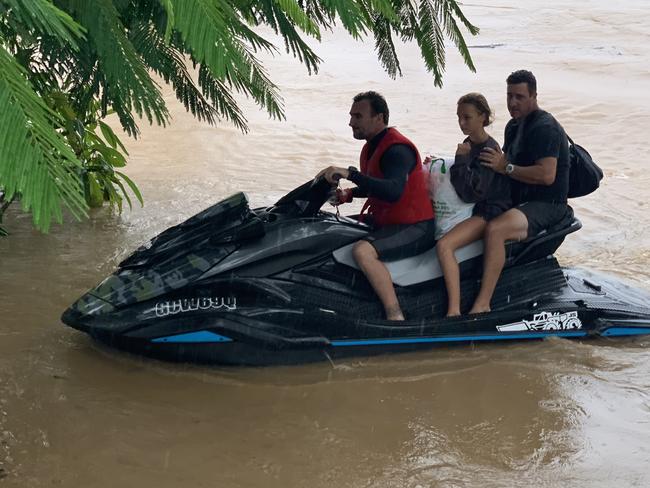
column 479, row 102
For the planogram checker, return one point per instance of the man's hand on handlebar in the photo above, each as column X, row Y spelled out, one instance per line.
column 339, row 196
column 333, row 174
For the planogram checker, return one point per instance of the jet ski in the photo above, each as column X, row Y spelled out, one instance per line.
column 278, row 285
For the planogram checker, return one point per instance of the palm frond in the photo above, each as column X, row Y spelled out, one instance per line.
column 449, row 9
column 212, row 32
column 351, row 15
column 220, row 96
column 35, row 161
column 430, row 38
column 169, row 63
column 453, row 4
column 427, row 22
column 169, row 25
column 249, row 76
column 295, row 44
column 283, row 16
column 295, row 15
column 206, row 27
column 384, row 8
column 43, row 16
column 323, row 15
column 126, row 81
column 385, row 47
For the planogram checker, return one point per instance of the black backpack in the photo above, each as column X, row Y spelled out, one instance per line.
column 584, row 174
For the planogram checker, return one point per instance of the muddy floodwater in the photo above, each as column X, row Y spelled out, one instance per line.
column 556, row 413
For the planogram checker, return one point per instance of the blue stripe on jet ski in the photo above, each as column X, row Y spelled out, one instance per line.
column 201, row 336
column 419, row 340
column 626, row 331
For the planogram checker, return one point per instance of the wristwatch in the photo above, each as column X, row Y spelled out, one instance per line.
column 509, row 168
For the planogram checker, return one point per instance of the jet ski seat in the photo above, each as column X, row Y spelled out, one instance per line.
column 425, row 266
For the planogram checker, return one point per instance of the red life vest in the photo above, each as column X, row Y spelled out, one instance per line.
column 414, row 205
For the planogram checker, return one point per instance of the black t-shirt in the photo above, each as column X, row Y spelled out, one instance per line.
column 396, row 163
column 542, row 137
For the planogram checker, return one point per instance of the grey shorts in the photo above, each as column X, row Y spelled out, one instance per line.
column 393, row 242
column 542, row 215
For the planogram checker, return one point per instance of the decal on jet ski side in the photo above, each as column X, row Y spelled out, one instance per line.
column 545, row 321
column 173, row 307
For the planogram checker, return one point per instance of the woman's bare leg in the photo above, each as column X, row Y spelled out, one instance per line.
column 509, row 226
column 462, row 234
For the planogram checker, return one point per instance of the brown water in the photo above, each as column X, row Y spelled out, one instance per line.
column 553, row 413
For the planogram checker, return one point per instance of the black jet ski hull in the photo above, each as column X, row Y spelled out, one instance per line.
column 278, row 285
column 212, row 346
column 582, row 305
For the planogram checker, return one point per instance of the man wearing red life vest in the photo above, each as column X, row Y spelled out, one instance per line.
column 398, row 204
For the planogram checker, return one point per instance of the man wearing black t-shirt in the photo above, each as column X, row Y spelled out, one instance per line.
column 392, row 179
column 536, row 158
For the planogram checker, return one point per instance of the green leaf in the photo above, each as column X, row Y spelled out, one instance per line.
column 132, row 185
column 95, row 192
column 169, row 10
column 126, row 195
column 111, row 156
column 110, row 136
column 110, row 193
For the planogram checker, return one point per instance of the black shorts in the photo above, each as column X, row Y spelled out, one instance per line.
column 393, row 242
column 542, row 215
column 488, row 211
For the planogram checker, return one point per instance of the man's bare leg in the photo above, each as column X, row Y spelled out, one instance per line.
column 366, row 257
column 509, row 226
column 462, row 234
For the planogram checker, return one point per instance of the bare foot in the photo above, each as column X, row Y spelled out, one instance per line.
column 454, row 313
column 476, row 309
column 394, row 313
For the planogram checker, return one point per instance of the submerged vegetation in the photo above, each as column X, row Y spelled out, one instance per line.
column 67, row 64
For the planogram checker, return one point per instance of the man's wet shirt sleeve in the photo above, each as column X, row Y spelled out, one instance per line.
column 396, row 164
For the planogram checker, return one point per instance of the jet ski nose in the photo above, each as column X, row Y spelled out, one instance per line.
column 73, row 318
column 90, row 304
column 84, row 310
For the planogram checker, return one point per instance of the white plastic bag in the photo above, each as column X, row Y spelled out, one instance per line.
column 450, row 209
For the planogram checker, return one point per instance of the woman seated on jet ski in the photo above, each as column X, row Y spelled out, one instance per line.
column 474, row 183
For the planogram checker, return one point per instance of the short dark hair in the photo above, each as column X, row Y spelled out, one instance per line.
column 479, row 102
column 377, row 103
column 523, row 76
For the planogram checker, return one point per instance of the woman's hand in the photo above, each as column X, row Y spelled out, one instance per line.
column 463, row 149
